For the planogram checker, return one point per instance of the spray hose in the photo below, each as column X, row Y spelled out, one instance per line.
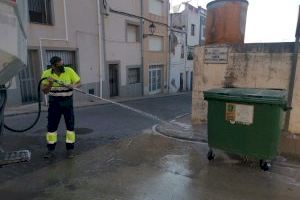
column 38, row 114
column 148, row 115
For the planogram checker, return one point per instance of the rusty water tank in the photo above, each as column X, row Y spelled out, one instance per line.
column 226, row 22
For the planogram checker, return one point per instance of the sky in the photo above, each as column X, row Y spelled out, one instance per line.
column 267, row 20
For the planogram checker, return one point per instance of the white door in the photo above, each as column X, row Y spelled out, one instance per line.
column 155, row 78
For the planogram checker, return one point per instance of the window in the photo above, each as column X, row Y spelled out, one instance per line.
column 133, row 33
column 155, row 78
column 190, row 53
column 40, row 11
column 155, row 43
column 182, row 52
column 193, row 29
column 134, row 75
column 203, row 32
column 155, row 7
column 69, row 57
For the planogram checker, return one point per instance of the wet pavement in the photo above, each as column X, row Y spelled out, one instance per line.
column 95, row 126
column 154, row 167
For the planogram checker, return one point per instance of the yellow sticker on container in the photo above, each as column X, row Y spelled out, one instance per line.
column 230, row 112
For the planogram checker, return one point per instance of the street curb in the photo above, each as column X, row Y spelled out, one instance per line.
column 176, row 137
column 44, row 109
column 181, row 139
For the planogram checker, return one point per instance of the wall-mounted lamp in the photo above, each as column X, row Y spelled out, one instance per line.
column 152, row 29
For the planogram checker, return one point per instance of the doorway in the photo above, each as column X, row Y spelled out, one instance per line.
column 114, row 79
column 191, row 81
column 181, row 82
column 187, row 81
column 155, row 78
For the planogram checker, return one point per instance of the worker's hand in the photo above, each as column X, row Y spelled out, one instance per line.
column 71, row 86
column 51, row 80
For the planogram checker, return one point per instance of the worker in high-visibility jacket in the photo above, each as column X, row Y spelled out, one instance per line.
column 60, row 103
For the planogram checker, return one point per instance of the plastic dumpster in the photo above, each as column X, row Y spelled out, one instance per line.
column 246, row 122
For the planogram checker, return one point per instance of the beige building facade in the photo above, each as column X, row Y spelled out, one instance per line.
column 122, row 38
column 155, row 46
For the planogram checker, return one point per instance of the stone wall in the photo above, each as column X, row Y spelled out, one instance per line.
column 251, row 66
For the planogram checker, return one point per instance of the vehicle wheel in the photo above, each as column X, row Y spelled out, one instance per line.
column 265, row 165
column 210, row 155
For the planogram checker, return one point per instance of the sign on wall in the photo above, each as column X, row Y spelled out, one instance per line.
column 216, row 55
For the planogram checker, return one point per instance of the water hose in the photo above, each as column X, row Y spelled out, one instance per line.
column 38, row 114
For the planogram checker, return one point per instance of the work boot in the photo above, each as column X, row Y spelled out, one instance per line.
column 49, row 155
column 70, row 154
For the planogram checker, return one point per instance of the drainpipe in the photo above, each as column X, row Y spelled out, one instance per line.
column 170, row 45
column 142, row 44
column 185, row 54
column 293, row 75
column 100, row 52
column 292, row 82
column 104, row 46
column 66, row 39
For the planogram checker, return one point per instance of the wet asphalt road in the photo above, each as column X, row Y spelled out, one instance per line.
column 95, row 126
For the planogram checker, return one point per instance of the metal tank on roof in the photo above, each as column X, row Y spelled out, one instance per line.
column 226, row 22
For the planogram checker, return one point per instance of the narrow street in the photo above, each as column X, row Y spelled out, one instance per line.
column 173, row 100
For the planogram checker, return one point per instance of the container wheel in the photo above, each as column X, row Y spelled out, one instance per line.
column 265, row 165
column 210, row 155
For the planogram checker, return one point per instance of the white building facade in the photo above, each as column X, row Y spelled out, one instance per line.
column 65, row 28
column 192, row 21
column 178, row 57
column 123, row 50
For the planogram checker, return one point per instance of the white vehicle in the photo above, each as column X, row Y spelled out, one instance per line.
column 13, row 58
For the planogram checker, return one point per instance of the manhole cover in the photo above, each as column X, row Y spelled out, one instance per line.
column 83, row 131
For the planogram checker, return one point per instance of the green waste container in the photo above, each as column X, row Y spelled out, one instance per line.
column 246, row 122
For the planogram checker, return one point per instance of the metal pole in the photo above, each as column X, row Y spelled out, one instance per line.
column 142, row 45
column 292, row 83
column 170, row 46
column 293, row 75
column 104, row 52
column 99, row 46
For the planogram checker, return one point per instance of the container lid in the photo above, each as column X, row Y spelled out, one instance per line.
column 248, row 95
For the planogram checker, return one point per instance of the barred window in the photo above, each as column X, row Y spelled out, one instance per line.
column 40, row 11
column 134, row 75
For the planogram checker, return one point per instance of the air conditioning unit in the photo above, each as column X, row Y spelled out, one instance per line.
column 105, row 7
